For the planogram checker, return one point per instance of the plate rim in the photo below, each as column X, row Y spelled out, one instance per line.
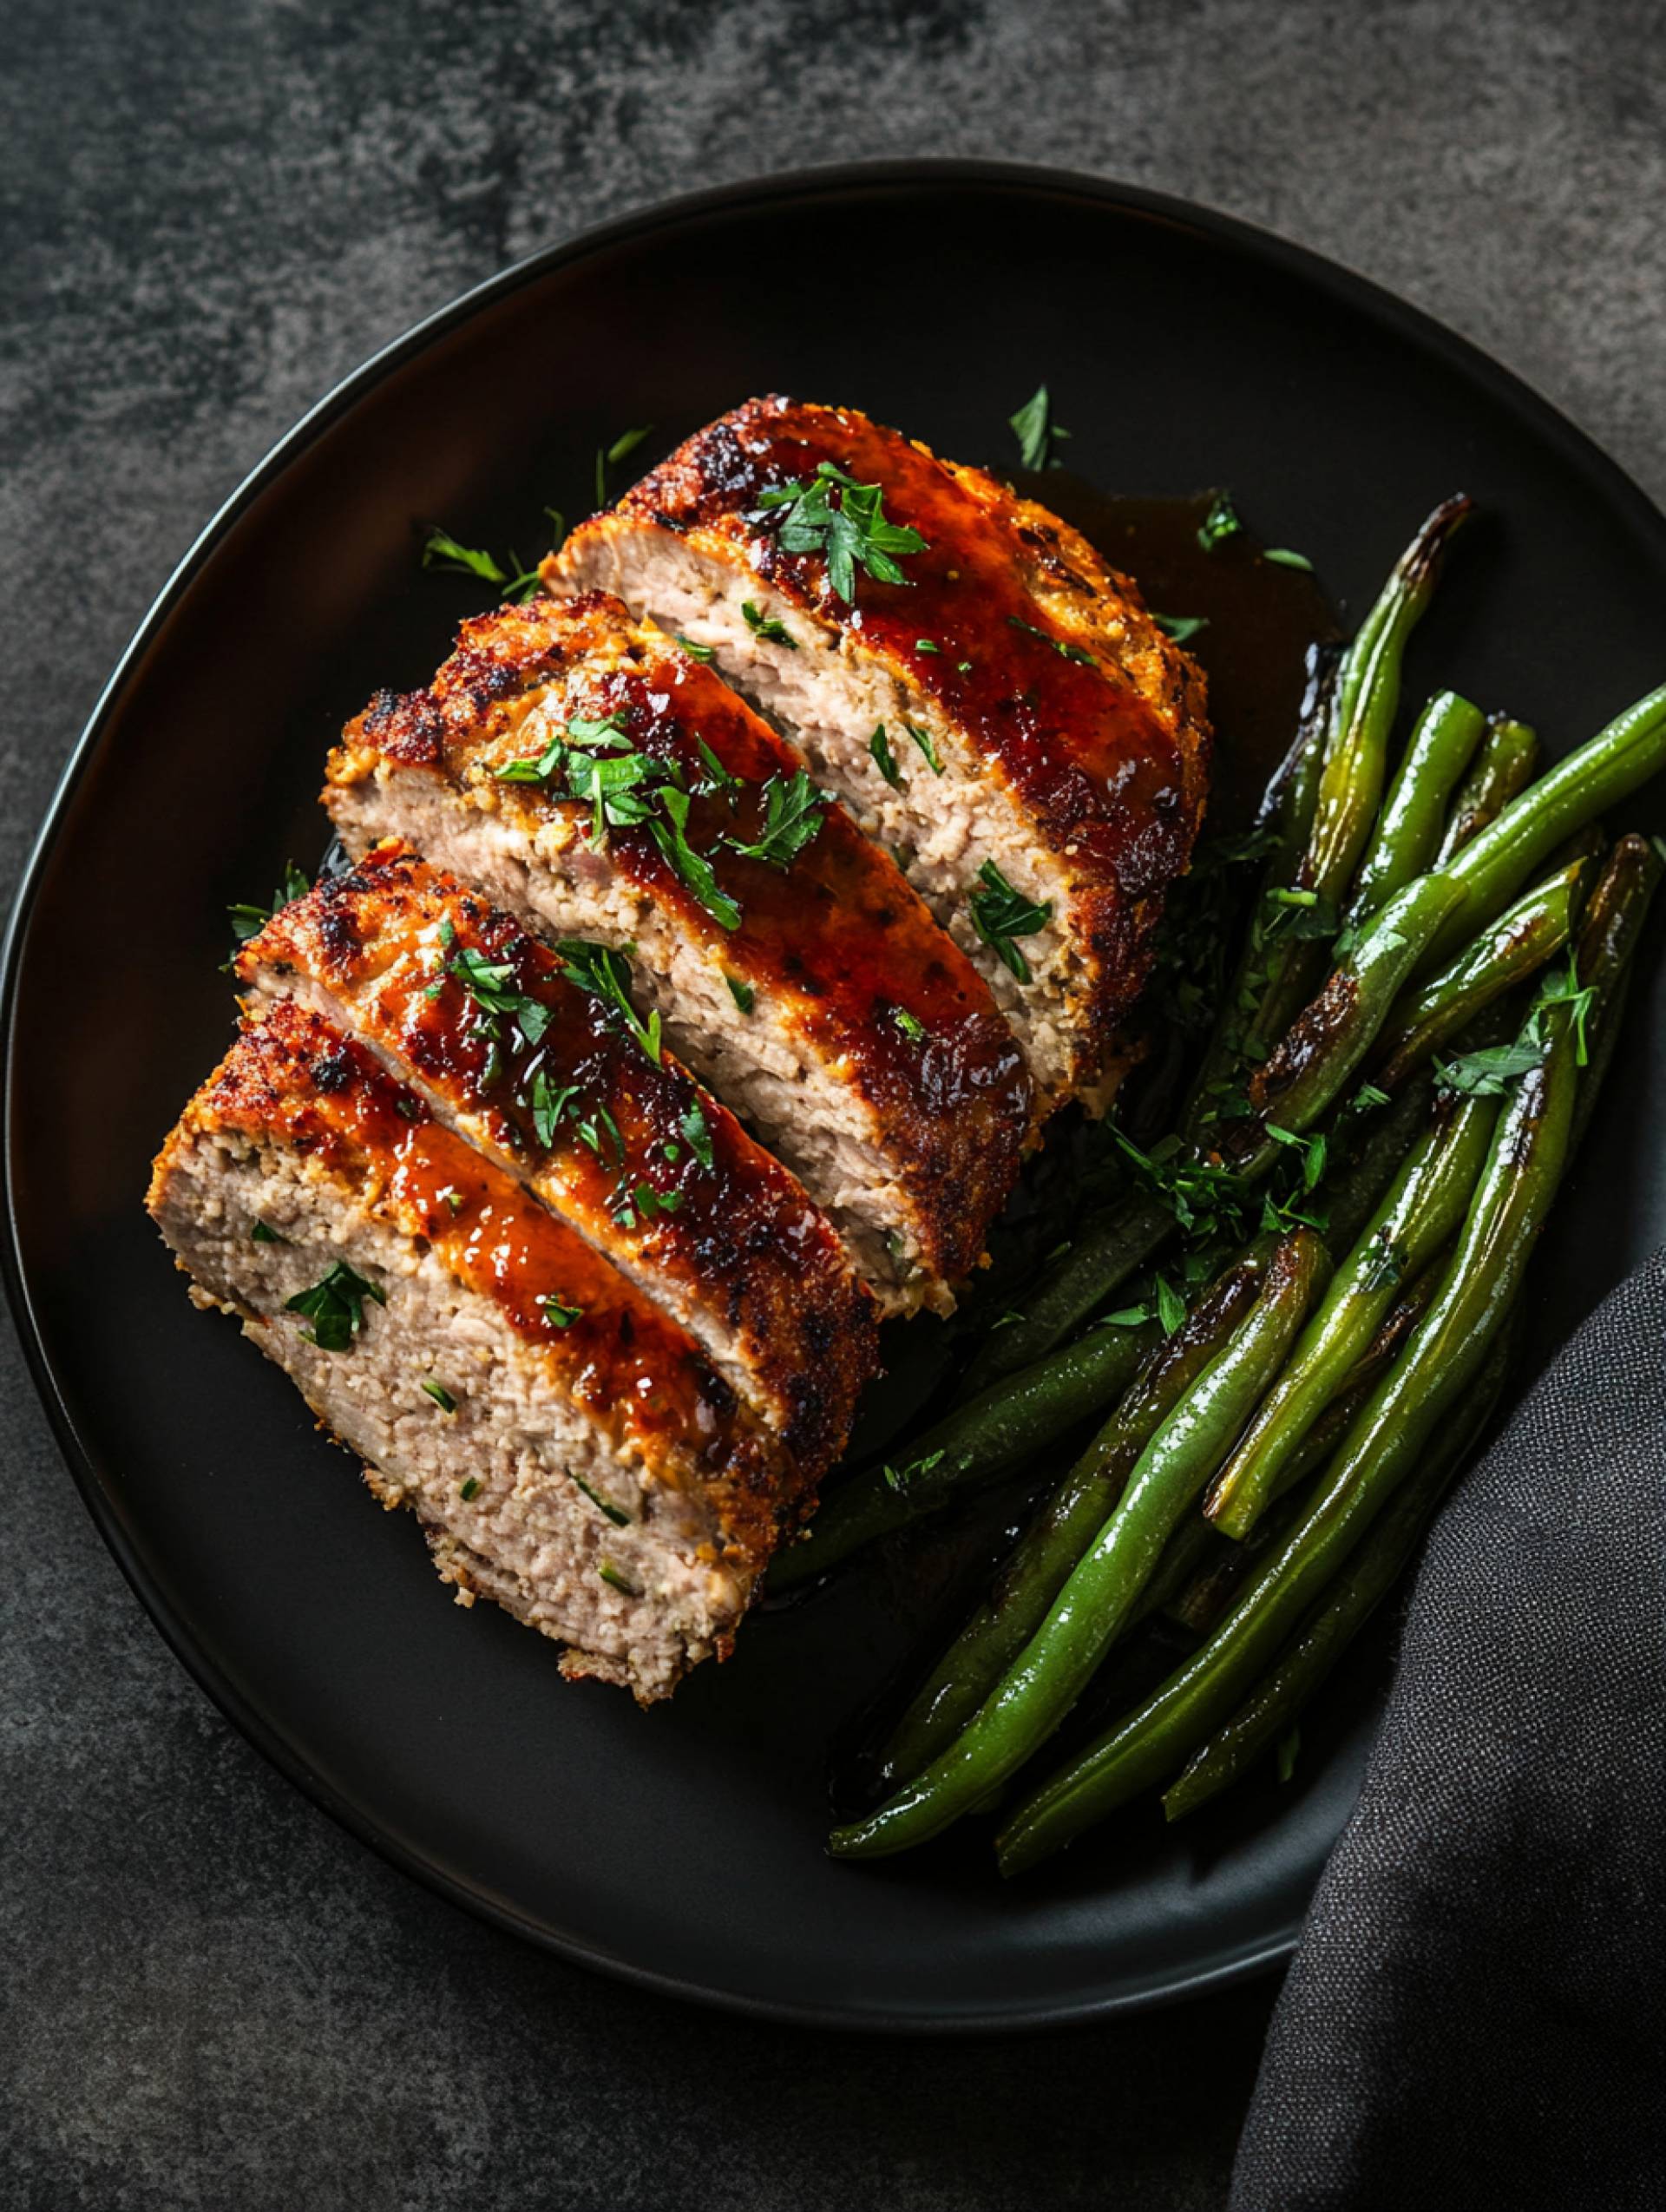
column 1336, row 278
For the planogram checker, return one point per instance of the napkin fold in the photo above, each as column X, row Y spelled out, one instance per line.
column 1475, row 2015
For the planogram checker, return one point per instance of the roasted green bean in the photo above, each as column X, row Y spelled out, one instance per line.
column 1408, row 830
column 1387, row 1442
column 1050, row 1672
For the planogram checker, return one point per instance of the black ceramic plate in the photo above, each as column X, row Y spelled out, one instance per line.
column 682, row 1847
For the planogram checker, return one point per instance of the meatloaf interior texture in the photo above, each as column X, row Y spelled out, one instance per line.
column 568, row 1447
column 595, row 781
column 547, row 1077
column 992, row 701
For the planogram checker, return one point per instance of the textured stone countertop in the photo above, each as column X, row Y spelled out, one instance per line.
column 212, row 209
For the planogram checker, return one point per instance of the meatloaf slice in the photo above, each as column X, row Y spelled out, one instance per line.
column 591, row 779
column 548, row 1081
column 990, row 700
column 566, row 1446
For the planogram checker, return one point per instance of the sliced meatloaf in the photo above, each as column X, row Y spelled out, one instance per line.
column 990, row 700
column 568, row 1447
column 596, row 782
column 547, row 1079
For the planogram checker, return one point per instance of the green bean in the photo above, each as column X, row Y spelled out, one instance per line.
column 1408, row 830
column 1604, row 959
column 1062, row 1529
column 1364, row 1582
column 1288, row 812
column 1493, row 867
column 1105, row 1252
column 977, row 1440
column 1506, row 765
column 1428, row 1202
column 1049, row 1674
column 1350, row 784
column 1367, row 1148
column 1387, row 1442
column 1523, row 939
column 1332, row 1036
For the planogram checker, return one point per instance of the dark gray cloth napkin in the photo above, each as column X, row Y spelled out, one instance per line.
column 1477, row 2013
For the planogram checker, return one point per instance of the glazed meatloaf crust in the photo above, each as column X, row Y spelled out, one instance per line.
column 546, row 1076
column 992, row 701
column 568, row 1447
column 595, row 781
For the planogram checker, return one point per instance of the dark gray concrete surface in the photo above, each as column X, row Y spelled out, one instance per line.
column 211, row 1997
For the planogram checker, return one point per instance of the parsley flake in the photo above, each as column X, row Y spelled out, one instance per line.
column 1000, row 915
column 793, row 811
column 698, row 1132
column 1181, row 628
column 1062, row 647
column 835, row 516
column 880, row 746
column 1036, row 432
column 742, row 993
column 557, row 1314
column 335, row 1306
column 923, row 738
column 767, row 626
column 1220, row 523
column 248, row 920
column 440, row 1394
column 606, row 975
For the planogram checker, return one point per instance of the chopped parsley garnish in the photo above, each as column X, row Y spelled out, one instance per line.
column 742, row 993
column 1000, row 915
column 1066, row 651
column 1220, row 523
column 609, row 1512
column 703, row 654
column 1205, row 1201
column 766, row 626
column 625, row 787
column 1170, row 1306
column 557, row 1314
column 441, row 551
column 1181, row 628
column 1036, row 430
column 583, row 733
column 909, row 1024
column 1283, row 558
column 606, row 975
column 469, row 1489
column 440, row 1394
column 793, row 811
column 610, row 456
column 335, row 1306
column 880, row 746
column 547, row 1105
column 835, row 516
column 611, row 1576
column 670, row 833
column 698, row 1132
column 1489, row 1073
column 926, row 645
column 899, row 1478
column 261, row 1234
column 491, row 985
column 248, row 920
column 924, row 741
column 1311, row 1151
